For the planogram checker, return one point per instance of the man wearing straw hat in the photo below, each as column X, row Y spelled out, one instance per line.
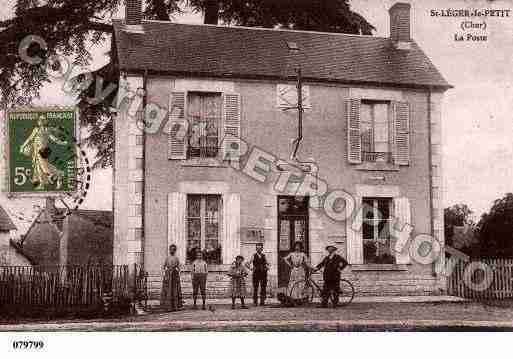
column 333, row 264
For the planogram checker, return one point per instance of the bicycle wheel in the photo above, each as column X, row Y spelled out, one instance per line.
column 305, row 289
column 345, row 294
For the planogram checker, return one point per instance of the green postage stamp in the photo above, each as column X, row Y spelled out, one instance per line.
column 42, row 150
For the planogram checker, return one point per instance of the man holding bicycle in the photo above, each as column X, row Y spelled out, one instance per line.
column 333, row 264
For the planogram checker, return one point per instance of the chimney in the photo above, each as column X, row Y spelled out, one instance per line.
column 133, row 12
column 400, row 25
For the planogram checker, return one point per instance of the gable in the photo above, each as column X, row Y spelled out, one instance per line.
column 41, row 243
column 6, row 223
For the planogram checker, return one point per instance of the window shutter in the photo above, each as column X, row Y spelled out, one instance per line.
column 402, row 213
column 401, row 112
column 354, row 140
column 231, row 241
column 231, row 123
column 178, row 126
column 176, row 223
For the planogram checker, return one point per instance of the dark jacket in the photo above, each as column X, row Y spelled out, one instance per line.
column 259, row 264
column 332, row 267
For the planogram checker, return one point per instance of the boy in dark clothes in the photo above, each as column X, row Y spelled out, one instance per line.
column 333, row 264
column 260, row 267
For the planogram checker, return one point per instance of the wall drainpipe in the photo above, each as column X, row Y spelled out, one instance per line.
column 430, row 163
column 143, row 202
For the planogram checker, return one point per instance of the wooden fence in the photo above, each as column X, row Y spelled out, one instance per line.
column 63, row 288
column 482, row 279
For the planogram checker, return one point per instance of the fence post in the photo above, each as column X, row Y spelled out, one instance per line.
column 134, row 296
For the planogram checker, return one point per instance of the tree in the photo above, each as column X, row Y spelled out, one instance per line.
column 496, row 229
column 318, row 15
column 456, row 215
column 72, row 27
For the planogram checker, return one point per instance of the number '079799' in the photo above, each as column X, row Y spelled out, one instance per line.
column 27, row 344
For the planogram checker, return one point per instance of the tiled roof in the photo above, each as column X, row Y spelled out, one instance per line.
column 99, row 225
column 222, row 51
column 99, row 218
column 5, row 221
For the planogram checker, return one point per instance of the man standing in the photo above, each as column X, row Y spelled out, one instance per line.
column 260, row 267
column 333, row 264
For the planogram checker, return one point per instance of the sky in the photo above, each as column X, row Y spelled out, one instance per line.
column 477, row 127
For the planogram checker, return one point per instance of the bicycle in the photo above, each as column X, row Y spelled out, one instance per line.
column 310, row 289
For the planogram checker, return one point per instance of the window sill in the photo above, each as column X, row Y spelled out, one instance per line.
column 377, row 166
column 203, row 162
column 210, row 267
column 378, row 267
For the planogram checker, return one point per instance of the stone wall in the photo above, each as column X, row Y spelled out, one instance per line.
column 365, row 284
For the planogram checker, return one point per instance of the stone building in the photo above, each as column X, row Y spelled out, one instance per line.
column 11, row 253
column 79, row 238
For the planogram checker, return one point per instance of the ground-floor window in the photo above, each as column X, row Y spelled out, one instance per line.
column 377, row 217
column 204, row 227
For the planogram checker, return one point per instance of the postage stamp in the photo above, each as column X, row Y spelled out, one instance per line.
column 45, row 157
column 42, row 151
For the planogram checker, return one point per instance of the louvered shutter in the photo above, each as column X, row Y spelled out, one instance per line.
column 354, row 238
column 354, row 140
column 177, row 203
column 231, row 242
column 402, row 213
column 401, row 113
column 231, row 124
column 177, row 140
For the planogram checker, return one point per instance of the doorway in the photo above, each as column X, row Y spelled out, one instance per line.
column 292, row 227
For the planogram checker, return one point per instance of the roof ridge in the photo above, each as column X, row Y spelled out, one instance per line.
column 262, row 29
column 92, row 210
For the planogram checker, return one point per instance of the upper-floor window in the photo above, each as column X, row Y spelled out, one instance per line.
column 378, row 131
column 204, row 125
column 375, row 131
column 204, row 112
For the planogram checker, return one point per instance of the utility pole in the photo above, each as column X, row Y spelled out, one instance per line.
column 306, row 166
column 299, row 87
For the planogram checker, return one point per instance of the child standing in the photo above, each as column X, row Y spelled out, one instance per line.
column 238, row 274
column 199, row 278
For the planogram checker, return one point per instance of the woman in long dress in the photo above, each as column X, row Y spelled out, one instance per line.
column 298, row 262
column 171, row 296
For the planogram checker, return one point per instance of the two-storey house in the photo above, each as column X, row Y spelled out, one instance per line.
column 212, row 174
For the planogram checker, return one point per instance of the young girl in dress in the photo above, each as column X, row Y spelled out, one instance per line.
column 238, row 274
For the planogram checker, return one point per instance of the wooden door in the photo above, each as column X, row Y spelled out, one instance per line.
column 292, row 227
